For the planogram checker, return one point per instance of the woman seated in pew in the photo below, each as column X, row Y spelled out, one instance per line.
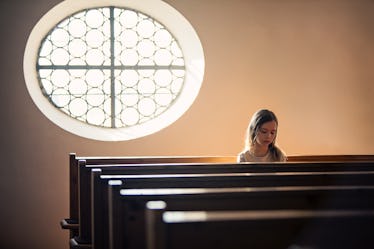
column 260, row 139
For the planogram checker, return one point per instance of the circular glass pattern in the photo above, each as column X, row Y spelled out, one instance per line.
column 113, row 73
column 111, row 67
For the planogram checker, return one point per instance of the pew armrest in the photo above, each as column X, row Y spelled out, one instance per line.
column 76, row 244
column 69, row 224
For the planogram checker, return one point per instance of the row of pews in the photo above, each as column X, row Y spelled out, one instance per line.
column 213, row 202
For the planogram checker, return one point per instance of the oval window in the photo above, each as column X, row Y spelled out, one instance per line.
column 113, row 71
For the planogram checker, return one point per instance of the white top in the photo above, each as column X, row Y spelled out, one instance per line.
column 247, row 156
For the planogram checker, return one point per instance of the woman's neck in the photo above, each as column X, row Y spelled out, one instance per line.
column 258, row 150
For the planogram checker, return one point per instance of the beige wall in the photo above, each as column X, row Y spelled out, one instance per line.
column 309, row 61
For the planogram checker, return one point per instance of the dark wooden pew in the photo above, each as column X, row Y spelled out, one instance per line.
column 127, row 206
column 319, row 178
column 260, row 229
column 211, row 180
column 84, row 186
column 330, row 158
column 84, row 237
column 71, row 223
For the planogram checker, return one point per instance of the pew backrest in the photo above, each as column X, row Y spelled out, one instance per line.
column 246, row 176
column 333, row 229
column 130, row 205
column 72, row 222
column 100, row 182
column 330, row 158
column 74, row 159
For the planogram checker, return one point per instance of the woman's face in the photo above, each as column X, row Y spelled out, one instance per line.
column 267, row 133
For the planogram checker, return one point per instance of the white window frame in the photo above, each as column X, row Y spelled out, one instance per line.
column 175, row 22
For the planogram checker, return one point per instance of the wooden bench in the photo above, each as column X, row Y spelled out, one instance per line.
column 72, row 222
column 260, row 229
column 330, row 158
column 214, row 180
column 85, row 183
column 127, row 220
